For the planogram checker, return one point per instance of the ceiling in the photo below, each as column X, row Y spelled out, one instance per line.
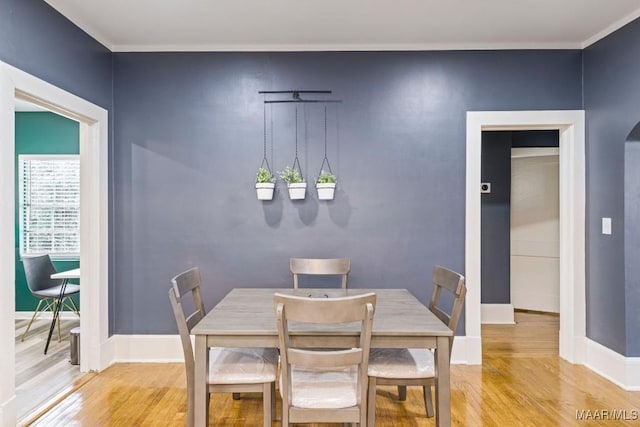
column 243, row 25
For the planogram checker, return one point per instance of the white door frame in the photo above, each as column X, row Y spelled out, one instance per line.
column 571, row 126
column 94, row 237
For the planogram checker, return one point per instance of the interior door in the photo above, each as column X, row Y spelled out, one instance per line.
column 535, row 212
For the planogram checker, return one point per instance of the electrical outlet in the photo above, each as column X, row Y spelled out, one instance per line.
column 606, row 225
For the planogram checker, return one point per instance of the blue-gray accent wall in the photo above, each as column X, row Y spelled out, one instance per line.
column 188, row 142
column 612, row 104
column 37, row 39
column 191, row 123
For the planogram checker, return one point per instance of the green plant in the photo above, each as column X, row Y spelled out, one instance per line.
column 264, row 175
column 290, row 176
column 326, row 178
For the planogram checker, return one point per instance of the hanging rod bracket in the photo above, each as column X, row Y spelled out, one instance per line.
column 295, row 96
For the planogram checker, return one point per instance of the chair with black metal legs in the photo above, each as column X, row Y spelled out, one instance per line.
column 38, row 270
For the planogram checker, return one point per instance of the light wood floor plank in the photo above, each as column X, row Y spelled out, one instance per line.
column 522, row 382
column 40, row 377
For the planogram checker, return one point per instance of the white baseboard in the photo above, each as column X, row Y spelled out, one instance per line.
column 466, row 351
column 167, row 349
column 46, row 315
column 501, row 314
column 145, row 348
column 621, row 370
column 8, row 414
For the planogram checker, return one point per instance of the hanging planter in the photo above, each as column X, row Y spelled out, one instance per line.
column 326, row 186
column 326, row 181
column 293, row 179
column 265, row 181
column 265, row 184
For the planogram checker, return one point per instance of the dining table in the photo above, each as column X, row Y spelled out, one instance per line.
column 65, row 276
column 245, row 317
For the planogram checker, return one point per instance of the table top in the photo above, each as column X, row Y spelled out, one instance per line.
column 69, row 274
column 250, row 311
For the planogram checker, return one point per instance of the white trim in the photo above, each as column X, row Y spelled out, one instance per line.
column 168, row 349
column 48, row 315
column 94, row 238
column 571, row 125
column 8, row 410
column 519, row 152
column 146, row 348
column 622, row 371
column 497, row 314
column 7, row 253
column 463, row 351
column 611, row 28
column 338, row 47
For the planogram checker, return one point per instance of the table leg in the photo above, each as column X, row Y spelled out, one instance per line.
column 443, row 383
column 201, row 408
column 56, row 313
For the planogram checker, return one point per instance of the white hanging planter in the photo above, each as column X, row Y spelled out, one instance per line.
column 265, row 190
column 326, row 190
column 297, row 190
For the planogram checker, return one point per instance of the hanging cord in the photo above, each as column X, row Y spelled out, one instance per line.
column 326, row 159
column 296, row 161
column 264, row 146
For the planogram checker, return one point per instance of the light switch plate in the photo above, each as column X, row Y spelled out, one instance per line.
column 606, row 225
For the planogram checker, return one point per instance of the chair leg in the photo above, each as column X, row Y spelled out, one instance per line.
column 35, row 314
column 72, row 305
column 371, row 402
column 428, row 402
column 58, row 322
column 266, row 404
column 273, row 401
column 402, row 392
column 190, row 415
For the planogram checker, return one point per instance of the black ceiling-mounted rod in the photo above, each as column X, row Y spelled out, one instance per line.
column 325, row 101
column 295, row 95
column 294, row 91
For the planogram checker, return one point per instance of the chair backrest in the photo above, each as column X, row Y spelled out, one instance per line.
column 187, row 282
column 38, row 270
column 318, row 266
column 324, row 312
column 453, row 282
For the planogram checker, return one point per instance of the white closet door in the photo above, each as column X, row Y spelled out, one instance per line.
column 535, row 211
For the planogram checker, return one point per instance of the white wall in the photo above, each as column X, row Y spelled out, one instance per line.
column 535, row 246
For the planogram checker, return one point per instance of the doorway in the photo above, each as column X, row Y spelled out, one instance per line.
column 94, row 238
column 571, row 127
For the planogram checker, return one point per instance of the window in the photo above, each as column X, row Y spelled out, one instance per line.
column 50, row 205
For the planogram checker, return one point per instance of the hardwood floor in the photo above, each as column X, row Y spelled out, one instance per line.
column 40, row 377
column 522, row 382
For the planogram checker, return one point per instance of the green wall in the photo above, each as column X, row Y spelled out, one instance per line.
column 40, row 133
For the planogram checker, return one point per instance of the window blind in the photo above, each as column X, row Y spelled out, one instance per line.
column 50, row 205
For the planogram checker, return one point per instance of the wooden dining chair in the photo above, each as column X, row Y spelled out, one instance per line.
column 231, row 370
column 416, row 367
column 319, row 266
column 324, row 386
